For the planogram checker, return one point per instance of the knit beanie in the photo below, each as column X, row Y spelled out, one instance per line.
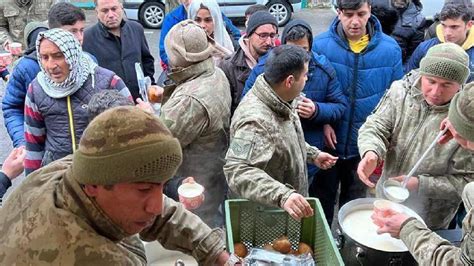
column 187, row 43
column 447, row 61
column 461, row 112
column 126, row 145
column 258, row 19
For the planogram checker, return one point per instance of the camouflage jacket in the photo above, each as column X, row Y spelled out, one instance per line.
column 266, row 161
column 197, row 112
column 13, row 18
column 430, row 249
column 49, row 220
column 400, row 130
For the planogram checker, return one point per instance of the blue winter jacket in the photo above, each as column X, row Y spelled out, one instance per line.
column 13, row 103
column 364, row 77
column 422, row 49
column 179, row 14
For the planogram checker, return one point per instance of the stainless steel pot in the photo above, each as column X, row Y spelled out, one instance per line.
column 356, row 253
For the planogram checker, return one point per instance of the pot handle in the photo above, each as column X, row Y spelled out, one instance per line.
column 360, row 255
column 339, row 239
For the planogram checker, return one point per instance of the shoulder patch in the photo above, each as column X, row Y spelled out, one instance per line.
column 240, row 148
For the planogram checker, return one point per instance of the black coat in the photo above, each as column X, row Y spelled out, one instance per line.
column 120, row 54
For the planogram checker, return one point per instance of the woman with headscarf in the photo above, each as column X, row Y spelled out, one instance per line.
column 208, row 15
column 56, row 102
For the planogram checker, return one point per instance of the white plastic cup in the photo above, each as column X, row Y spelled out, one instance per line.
column 191, row 195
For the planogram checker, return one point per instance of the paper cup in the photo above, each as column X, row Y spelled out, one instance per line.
column 15, row 48
column 5, row 59
column 191, row 195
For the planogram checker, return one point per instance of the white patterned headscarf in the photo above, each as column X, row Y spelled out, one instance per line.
column 80, row 64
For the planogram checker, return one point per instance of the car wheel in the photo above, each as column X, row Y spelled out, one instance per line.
column 152, row 14
column 281, row 10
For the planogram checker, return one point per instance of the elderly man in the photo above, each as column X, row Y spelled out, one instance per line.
column 196, row 109
column 403, row 126
column 262, row 29
column 89, row 210
column 266, row 161
column 118, row 44
column 426, row 246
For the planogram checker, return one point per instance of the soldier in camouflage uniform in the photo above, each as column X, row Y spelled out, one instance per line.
column 90, row 210
column 15, row 14
column 266, row 161
column 196, row 109
column 406, row 122
column 426, row 246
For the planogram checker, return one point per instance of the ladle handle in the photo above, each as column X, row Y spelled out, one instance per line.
column 413, row 170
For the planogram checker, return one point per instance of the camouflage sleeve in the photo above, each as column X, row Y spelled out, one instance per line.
column 179, row 229
column 4, row 34
column 449, row 186
column 374, row 135
column 427, row 247
column 312, row 153
column 185, row 117
column 250, row 150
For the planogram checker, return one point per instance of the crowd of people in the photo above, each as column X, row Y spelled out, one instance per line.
column 245, row 114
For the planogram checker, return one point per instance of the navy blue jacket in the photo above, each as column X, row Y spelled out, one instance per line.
column 364, row 77
column 421, row 50
column 179, row 14
column 13, row 103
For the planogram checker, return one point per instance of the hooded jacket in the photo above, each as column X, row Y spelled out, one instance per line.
column 49, row 220
column 322, row 86
column 409, row 29
column 364, row 77
column 399, row 131
column 423, row 48
column 13, row 103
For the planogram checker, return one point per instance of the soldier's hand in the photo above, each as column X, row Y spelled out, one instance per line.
column 297, row 206
column 448, row 135
column 412, row 183
column 329, row 136
column 325, row 160
column 367, row 166
column 390, row 223
column 222, row 258
column 306, row 107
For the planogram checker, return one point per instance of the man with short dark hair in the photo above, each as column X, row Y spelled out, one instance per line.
column 262, row 30
column 366, row 61
column 266, row 161
column 94, row 207
column 324, row 101
column 455, row 27
column 118, row 44
column 62, row 15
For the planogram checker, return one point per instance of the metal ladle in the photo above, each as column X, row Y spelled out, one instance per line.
column 401, row 187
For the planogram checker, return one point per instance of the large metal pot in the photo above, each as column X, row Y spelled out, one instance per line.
column 365, row 247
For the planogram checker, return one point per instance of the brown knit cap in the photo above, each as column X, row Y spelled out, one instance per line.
column 187, row 43
column 125, row 145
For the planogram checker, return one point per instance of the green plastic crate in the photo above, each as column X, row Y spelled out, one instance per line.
column 255, row 225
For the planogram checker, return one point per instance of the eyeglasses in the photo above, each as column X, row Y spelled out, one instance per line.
column 265, row 35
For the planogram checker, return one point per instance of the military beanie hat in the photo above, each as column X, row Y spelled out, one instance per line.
column 187, row 43
column 461, row 112
column 447, row 61
column 126, row 145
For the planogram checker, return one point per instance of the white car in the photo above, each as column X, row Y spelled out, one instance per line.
column 151, row 13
